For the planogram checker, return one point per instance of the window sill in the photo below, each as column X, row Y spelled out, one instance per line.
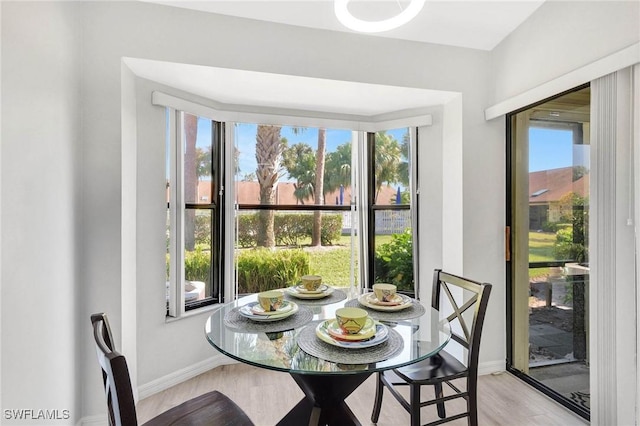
column 194, row 312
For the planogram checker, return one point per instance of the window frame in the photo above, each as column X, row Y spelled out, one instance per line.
column 176, row 306
column 372, row 207
column 351, row 207
column 228, row 290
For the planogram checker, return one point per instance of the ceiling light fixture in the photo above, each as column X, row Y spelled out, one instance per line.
column 348, row 20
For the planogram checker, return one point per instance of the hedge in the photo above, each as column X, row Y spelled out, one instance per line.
column 265, row 269
column 291, row 229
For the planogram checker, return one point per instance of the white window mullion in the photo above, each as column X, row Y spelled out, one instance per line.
column 176, row 202
column 230, row 215
column 414, row 203
column 362, row 206
column 353, row 217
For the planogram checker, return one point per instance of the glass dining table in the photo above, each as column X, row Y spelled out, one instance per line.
column 327, row 373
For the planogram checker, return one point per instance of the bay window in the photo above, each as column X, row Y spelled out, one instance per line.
column 254, row 206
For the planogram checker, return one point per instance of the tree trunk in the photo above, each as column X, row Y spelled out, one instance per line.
column 316, row 239
column 268, row 153
column 190, row 179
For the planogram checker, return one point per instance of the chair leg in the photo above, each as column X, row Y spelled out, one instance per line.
column 472, row 402
column 377, row 404
column 414, row 400
column 440, row 405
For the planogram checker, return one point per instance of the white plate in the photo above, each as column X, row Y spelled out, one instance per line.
column 283, row 309
column 300, row 289
column 367, row 332
column 367, row 300
column 247, row 312
column 293, row 291
column 382, row 334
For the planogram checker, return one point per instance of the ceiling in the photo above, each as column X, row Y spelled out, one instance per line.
column 475, row 24
column 235, row 89
column 471, row 24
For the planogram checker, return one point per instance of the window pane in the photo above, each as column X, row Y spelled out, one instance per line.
column 549, row 261
column 280, row 165
column 168, row 244
column 393, row 260
column 197, row 258
column 198, row 183
column 391, row 167
column 260, row 268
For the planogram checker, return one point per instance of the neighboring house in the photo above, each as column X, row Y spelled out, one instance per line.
column 249, row 193
column 547, row 189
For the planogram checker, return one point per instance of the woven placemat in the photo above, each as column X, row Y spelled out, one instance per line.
column 414, row 311
column 237, row 322
column 334, row 297
column 311, row 344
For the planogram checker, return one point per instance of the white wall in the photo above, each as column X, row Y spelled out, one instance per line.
column 560, row 37
column 40, row 209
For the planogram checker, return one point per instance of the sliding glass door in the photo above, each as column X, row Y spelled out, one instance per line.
column 548, row 264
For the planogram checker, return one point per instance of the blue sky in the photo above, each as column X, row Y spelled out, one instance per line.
column 548, row 148
column 246, row 141
column 553, row 149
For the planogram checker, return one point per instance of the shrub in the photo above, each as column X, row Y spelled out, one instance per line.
column 570, row 241
column 264, row 269
column 394, row 261
column 203, row 229
column 554, row 226
column 197, row 264
column 290, row 229
column 247, row 230
column 566, row 249
column 331, row 228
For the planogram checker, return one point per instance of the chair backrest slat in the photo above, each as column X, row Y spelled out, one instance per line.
column 474, row 298
column 115, row 375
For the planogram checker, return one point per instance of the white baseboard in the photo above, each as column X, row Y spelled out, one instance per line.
column 491, row 367
column 172, row 379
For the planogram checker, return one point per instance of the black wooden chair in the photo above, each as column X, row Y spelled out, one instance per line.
column 464, row 303
column 213, row 408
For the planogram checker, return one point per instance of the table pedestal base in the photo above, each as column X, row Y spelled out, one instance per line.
column 323, row 403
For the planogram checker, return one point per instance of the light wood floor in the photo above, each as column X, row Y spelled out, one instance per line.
column 267, row 395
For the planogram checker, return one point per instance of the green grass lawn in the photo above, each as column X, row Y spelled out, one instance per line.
column 333, row 265
column 541, row 250
column 541, row 246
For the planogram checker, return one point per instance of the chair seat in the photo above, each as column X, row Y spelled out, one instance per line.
column 437, row 368
column 213, row 408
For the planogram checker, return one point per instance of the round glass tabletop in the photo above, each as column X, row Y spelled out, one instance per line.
column 410, row 340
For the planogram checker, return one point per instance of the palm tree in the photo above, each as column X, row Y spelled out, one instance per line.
column 316, row 239
column 300, row 163
column 338, row 168
column 269, row 148
column 387, row 160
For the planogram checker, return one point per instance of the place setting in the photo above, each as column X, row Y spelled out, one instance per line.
column 352, row 337
column 312, row 291
column 271, row 313
column 385, row 303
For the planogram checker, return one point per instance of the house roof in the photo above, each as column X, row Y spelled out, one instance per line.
column 547, row 186
column 249, row 193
